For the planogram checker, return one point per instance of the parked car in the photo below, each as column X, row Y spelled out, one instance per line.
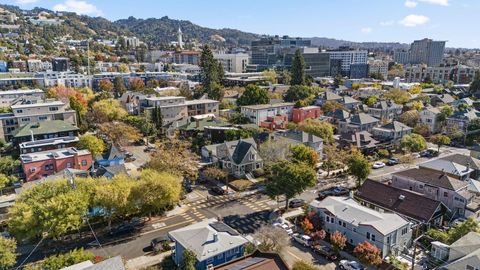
column 160, row 243
column 296, row 203
column 325, row 251
column 334, row 191
column 130, row 159
column 283, row 226
column 302, row 239
column 393, row 161
column 378, row 165
column 218, row 190
column 122, row 229
column 429, row 153
column 351, row 265
column 416, row 155
column 150, row 149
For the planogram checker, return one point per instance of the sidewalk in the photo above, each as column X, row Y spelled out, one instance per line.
column 146, row 261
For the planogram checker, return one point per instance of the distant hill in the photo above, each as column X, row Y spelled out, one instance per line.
column 335, row 43
column 164, row 30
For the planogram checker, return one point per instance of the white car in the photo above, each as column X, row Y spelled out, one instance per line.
column 302, row 239
column 283, row 226
column 378, row 165
column 351, row 265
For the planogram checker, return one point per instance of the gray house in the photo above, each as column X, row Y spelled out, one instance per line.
column 393, row 131
column 295, row 137
column 239, row 158
column 389, row 232
column 464, row 254
column 386, row 110
column 358, row 122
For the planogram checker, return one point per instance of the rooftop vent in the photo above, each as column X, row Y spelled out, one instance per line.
column 401, row 197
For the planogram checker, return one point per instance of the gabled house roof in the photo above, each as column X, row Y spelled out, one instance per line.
column 444, row 98
column 361, row 139
column 235, row 151
column 395, row 126
column 464, row 160
column 339, row 114
column 113, row 170
column 465, row 251
column 208, row 238
column 45, row 127
column 433, row 178
column 386, row 104
column 256, row 261
column 352, row 212
column 111, row 153
column 468, row 114
column 447, row 166
column 330, row 96
column 363, row 119
column 350, row 100
column 398, row 200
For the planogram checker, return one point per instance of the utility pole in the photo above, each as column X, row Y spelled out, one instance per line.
column 415, row 250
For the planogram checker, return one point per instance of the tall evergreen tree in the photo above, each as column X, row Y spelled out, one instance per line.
column 119, row 86
column 211, row 75
column 298, row 69
column 157, row 117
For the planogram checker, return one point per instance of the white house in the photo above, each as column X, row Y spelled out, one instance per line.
column 389, row 232
column 428, row 116
column 259, row 113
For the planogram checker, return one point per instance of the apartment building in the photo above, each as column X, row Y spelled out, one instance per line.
column 349, row 58
column 61, row 64
column 387, row 231
column 34, row 65
column 68, row 79
column 9, row 96
column 25, row 111
column 260, row 113
column 233, row 62
column 385, row 110
column 42, row 164
column 427, row 51
column 378, row 67
column 459, row 74
column 172, row 108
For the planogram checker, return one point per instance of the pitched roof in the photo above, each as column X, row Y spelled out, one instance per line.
column 433, row 178
column 115, row 263
column 113, row 170
column 45, row 127
column 362, row 119
column 350, row 100
column 396, row 126
column 445, row 98
column 362, row 139
column 241, row 150
column 464, row 160
column 111, row 153
column 340, row 114
column 397, row 200
column 256, row 261
column 352, row 212
column 329, row 95
column 207, row 238
column 447, row 166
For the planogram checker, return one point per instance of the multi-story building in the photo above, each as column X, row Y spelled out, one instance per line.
column 378, row 67
column 42, row 164
column 317, row 64
column 186, row 57
column 34, row 65
column 349, row 58
column 61, row 64
column 48, row 144
column 358, row 71
column 427, row 51
column 68, row 79
column 233, row 62
column 401, row 57
column 309, row 112
column 25, row 111
column 9, row 96
column 459, row 74
column 391, row 132
column 437, row 186
column 385, row 110
column 387, row 231
column 260, row 113
column 172, row 108
column 132, row 42
column 428, row 116
column 20, row 65
column 44, row 130
column 358, row 122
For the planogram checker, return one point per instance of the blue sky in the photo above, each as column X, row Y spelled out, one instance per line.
column 357, row 20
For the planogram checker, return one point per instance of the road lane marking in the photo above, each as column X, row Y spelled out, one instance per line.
column 295, row 256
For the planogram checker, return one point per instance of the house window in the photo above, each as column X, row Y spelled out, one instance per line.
column 373, row 237
column 42, row 118
column 32, row 170
column 333, row 220
column 388, row 240
column 339, row 222
column 53, row 109
column 344, row 224
column 69, row 164
column 210, row 260
column 354, row 229
column 328, row 219
column 368, row 235
column 420, row 186
column 26, row 119
column 84, row 162
column 404, row 230
column 445, row 194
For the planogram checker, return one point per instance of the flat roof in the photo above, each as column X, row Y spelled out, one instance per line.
column 45, row 127
column 52, row 154
column 200, row 101
column 268, row 106
column 20, row 91
column 38, row 104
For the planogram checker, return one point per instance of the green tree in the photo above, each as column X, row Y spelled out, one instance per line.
column 445, row 112
column 271, row 76
column 253, row 95
column 410, row 118
column 331, row 106
column 304, row 154
column 119, row 86
column 290, row 179
column 106, row 110
column 414, row 143
column 298, row 69
column 136, row 84
column 286, row 77
column 239, row 119
column 368, row 254
column 105, row 85
column 157, row 117
column 398, row 96
column 93, row 144
column 455, row 233
column 189, row 260
column 211, row 74
column 299, row 92
column 8, row 165
column 72, row 257
column 358, row 166
column 119, row 133
column 318, row 128
column 157, row 191
column 370, row 101
column 8, row 256
column 6, row 180
column 274, row 151
column 440, row 140
column 462, row 107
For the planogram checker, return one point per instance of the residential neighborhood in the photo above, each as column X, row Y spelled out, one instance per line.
column 156, row 143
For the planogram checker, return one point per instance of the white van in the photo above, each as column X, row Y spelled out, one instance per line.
column 305, row 240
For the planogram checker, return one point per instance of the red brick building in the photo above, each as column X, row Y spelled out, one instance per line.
column 300, row 114
column 42, row 164
column 279, row 121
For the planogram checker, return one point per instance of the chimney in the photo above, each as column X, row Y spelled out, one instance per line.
column 215, row 237
column 401, row 197
column 31, row 136
column 350, row 194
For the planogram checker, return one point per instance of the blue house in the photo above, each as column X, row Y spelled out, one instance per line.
column 113, row 157
column 3, row 66
column 212, row 242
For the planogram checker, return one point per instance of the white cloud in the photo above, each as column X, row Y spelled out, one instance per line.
column 387, row 23
column 413, row 20
column 24, row 2
column 366, row 30
column 79, row 7
column 410, row 4
column 436, row 2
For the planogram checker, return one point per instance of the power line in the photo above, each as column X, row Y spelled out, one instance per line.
column 35, row 248
column 96, row 239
